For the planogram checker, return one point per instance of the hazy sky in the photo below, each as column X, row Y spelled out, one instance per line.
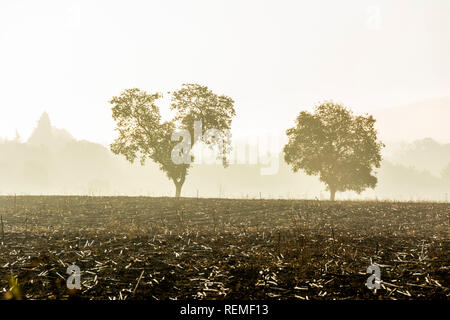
column 273, row 58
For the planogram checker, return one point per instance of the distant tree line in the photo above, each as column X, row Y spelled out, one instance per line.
column 340, row 149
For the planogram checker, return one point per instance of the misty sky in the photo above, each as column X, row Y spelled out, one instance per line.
column 273, row 58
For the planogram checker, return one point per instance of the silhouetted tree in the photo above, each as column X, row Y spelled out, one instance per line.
column 143, row 136
column 17, row 138
column 336, row 145
column 42, row 135
column 48, row 136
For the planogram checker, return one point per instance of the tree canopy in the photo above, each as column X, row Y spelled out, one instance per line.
column 143, row 136
column 339, row 147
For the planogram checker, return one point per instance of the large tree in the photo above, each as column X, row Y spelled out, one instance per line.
column 339, row 147
column 201, row 116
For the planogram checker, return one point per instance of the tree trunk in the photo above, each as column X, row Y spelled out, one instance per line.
column 178, row 189
column 332, row 193
column 179, row 183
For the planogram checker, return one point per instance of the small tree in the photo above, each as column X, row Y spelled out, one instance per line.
column 341, row 148
column 143, row 136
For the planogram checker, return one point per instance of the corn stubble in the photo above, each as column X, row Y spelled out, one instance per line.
column 162, row 248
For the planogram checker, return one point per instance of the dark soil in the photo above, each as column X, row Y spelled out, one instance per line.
column 161, row 248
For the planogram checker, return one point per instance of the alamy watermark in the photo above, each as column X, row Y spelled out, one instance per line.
column 74, row 279
column 263, row 150
column 374, row 281
column 374, row 20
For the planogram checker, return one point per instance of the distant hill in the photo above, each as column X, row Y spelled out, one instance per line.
column 53, row 162
column 426, row 119
column 424, row 155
